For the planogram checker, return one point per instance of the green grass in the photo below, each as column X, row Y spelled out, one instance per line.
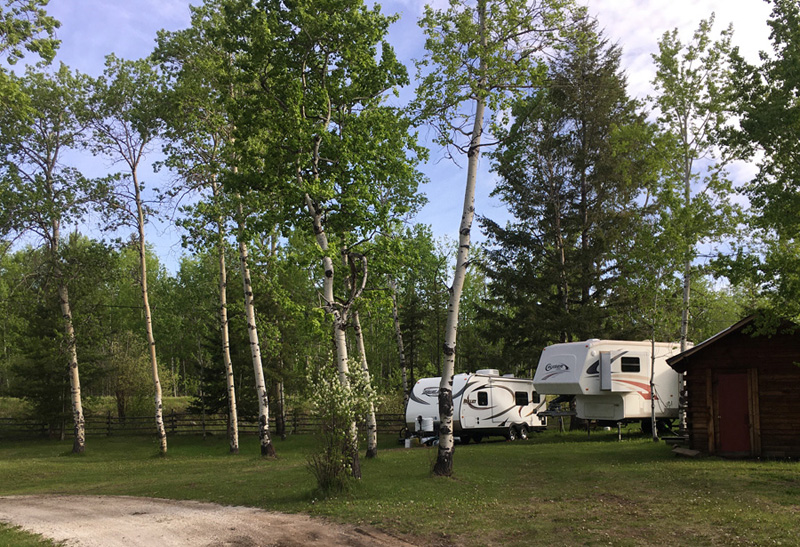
column 555, row 489
column 12, row 536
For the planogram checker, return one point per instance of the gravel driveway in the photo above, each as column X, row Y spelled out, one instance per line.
column 109, row 521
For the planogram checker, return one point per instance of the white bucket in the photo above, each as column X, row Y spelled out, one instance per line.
column 427, row 424
column 408, row 443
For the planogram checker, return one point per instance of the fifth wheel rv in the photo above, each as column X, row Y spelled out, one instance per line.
column 484, row 404
column 610, row 379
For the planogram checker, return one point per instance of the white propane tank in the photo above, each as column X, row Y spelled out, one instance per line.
column 427, row 424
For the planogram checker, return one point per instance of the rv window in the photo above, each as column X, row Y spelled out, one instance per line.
column 521, row 398
column 630, row 364
column 537, row 398
column 483, row 398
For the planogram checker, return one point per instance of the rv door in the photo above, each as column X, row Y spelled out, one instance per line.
column 605, row 370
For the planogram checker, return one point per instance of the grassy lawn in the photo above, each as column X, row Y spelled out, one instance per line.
column 555, row 489
column 12, row 536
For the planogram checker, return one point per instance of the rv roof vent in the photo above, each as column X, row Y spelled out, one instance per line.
column 489, row 372
column 508, row 375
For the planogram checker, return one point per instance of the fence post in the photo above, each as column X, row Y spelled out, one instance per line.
column 108, row 424
column 294, row 421
column 173, row 421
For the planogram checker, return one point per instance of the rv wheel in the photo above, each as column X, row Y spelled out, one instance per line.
column 477, row 438
column 511, row 434
column 465, row 439
column 523, row 432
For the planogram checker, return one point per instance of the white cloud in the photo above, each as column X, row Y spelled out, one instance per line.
column 638, row 26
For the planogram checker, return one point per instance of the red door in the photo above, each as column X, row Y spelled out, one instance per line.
column 734, row 416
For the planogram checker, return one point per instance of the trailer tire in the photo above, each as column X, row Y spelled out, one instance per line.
column 465, row 439
column 523, row 432
column 477, row 438
column 511, row 434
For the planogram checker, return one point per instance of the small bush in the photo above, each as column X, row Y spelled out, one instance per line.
column 335, row 464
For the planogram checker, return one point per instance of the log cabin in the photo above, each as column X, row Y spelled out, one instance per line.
column 743, row 392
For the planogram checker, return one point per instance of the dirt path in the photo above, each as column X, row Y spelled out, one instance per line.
column 109, row 521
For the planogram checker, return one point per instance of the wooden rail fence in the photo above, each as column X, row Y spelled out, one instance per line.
column 175, row 424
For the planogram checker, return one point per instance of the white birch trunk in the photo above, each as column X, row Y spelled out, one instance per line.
column 79, row 445
column 267, row 449
column 233, row 419
column 79, row 423
column 444, row 460
column 687, row 271
column 151, row 342
column 339, row 323
column 398, row 334
column 372, row 422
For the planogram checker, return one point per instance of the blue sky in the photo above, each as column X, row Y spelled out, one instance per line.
column 91, row 29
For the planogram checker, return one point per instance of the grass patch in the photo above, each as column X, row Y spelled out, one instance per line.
column 13, row 536
column 555, row 489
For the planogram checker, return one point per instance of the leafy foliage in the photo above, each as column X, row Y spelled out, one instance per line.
column 337, row 405
column 770, row 124
column 25, row 25
column 693, row 85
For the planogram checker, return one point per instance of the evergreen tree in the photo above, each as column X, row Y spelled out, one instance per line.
column 554, row 269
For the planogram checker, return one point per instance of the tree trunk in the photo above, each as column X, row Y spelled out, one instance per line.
column 151, row 342
column 687, row 266
column 79, row 445
column 233, row 419
column 372, row 423
column 267, row 449
column 280, row 419
column 174, row 377
column 399, row 337
column 444, row 459
column 687, row 270
column 339, row 324
column 563, row 284
column 79, row 424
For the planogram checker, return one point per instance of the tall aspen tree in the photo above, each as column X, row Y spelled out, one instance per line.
column 230, row 383
column 44, row 118
column 197, row 132
column 126, row 122
column 350, row 260
column 398, row 335
column 693, row 85
column 267, row 449
column 317, row 118
column 693, row 99
column 479, row 56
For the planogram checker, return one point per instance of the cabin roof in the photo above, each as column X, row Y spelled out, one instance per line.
column 679, row 362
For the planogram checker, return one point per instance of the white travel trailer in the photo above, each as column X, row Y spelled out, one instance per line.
column 610, row 379
column 484, row 404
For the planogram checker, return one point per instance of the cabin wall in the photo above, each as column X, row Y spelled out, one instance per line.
column 773, row 383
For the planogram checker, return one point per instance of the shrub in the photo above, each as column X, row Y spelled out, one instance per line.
column 335, row 464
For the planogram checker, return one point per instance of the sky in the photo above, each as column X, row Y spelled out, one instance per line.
column 91, row 29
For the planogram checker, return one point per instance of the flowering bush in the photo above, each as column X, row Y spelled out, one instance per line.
column 337, row 406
